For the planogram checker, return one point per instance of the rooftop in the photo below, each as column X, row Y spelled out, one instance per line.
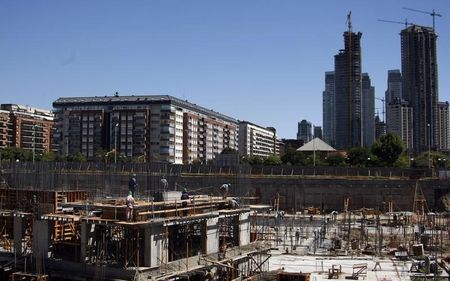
column 139, row 99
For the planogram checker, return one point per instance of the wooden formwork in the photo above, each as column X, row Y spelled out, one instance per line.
column 21, row 276
column 39, row 202
column 6, row 232
column 44, row 201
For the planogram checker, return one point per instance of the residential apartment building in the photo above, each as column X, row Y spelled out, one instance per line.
column 400, row 121
column 155, row 127
column 420, row 84
column 444, row 128
column 348, row 93
column 26, row 127
column 328, row 104
column 5, row 127
column 255, row 140
column 304, row 131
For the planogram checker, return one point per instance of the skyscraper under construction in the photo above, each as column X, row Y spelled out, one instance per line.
column 348, row 92
column 420, row 84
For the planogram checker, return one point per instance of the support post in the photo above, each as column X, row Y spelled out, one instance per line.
column 155, row 240
column 244, row 229
column 40, row 244
column 212, row 235
column 18, row 235
column 83, row 241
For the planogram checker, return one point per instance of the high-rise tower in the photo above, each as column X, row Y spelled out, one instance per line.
column 304, row 131
column 420, row 84
column 393, row 96
column 368, row 104
column 328, row 108
column 348, row 97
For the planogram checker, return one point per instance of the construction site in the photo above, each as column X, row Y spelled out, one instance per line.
column 72, row 221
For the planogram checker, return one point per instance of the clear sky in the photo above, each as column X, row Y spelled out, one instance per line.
column 256, row 60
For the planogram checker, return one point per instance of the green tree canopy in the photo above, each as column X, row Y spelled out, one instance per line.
column 252, row 160
column 437, row 160
column 228, row 150
column 388, row 149
column 272, row 160
column 77, row 157
column 293, row 157
column 15, row 153
column 335, row 160
column 359, row 156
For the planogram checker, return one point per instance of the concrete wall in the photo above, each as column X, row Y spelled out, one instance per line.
column 297, row 193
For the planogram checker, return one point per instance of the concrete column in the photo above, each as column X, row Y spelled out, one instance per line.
column 244, row 229
column 40, row 243
column 83, row 241
column 147, row 246
column 155, row 245
column 18, row 235
column 212, row 235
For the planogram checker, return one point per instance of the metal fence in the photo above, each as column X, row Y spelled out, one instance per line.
column 109, row 179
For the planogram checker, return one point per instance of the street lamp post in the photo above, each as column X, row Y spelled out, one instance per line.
column 314, row 146
column 429, row 145
column 115, row 143
column 314, row 152
column 34, row 141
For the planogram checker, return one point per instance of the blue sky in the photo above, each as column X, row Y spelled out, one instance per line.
column 256, row 60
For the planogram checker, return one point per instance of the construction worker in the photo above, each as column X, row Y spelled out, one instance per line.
column 184, row 196
column 132, row 185
column 164, row 184
column 130, row 205
column 224, row 190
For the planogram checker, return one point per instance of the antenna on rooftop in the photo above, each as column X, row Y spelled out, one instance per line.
column 349, row 21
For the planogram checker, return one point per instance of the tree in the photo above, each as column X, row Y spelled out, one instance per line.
column 388, row 149
column 111, row 157
column 77, row 157
column 228, row 150
column 100, row 155
column 359, row 156
column 252, row 160
column 47, row 157
column 293, row 157
column 335, row 160
column 438, row 160
column 272, row 160
column 138, row 159
column 15, row 153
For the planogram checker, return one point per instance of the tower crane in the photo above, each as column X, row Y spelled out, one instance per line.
column 406, row 23
column 349, row 21
column 383, row 109
column 432, row 14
